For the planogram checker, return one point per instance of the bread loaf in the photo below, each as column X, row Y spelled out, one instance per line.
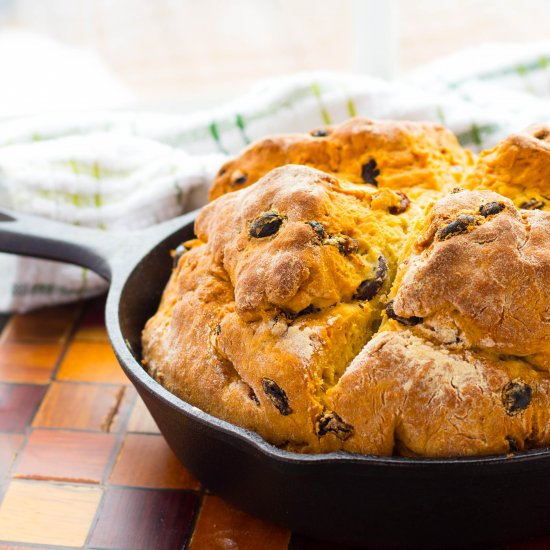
column 371, row 288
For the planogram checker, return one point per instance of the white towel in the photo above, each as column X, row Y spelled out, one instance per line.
column 130, row 170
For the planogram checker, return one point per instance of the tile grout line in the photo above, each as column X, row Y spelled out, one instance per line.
column 74, row 382
column 104, row 483
column 194, row 520
column 61, row 483
column 68, row 341
column 21, row 449
column 78, row 430
column 36, row 545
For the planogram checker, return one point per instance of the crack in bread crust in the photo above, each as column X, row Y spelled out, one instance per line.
column 372, row 288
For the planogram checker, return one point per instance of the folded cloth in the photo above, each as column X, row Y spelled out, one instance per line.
column 113, row 171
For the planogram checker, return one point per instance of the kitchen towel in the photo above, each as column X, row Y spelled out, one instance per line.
column 117, row 171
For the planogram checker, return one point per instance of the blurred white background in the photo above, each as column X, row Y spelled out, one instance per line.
column 180, row 54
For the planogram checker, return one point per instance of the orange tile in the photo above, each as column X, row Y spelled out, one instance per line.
column 221, row 526
column 28, row 361
column 9, row 444
column 83, row 407
column 91, row 334
column 141, row 420
column 48, row 513
column 48, row 324
column 147, row 461
column 65, row 456
column 91, row 362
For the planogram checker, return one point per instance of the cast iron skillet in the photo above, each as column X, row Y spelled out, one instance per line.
column 354, row 499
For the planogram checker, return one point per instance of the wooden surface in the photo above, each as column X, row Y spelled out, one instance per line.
column 82, row 463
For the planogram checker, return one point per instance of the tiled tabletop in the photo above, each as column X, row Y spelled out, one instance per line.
column 82, row 463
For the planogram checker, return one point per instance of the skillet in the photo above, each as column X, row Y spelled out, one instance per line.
column 382, row 502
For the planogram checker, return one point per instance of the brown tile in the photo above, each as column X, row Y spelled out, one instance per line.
column 141, row 419
column 65, row 456
column 48, row 513
column 28, row 361
column 220, row 525
column 9, row 444
column 147, row 461
column 91, row 362
column 144, row 519
column 92, row 325
column 44, row 325
column 17, row 405
column 83, row 407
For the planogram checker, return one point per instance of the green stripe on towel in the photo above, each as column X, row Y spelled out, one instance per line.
column 476, row 134
column 214, row 132
column 239, row 121
column 317, row 93
column 352, row 111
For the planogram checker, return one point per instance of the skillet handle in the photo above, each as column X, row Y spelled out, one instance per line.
column 99, row 251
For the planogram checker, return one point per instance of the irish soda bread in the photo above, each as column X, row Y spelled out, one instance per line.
column 372, row 288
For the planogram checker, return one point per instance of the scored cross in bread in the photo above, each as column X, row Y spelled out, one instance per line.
column 366, row 288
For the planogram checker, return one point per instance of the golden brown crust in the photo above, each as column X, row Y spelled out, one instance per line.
column 271, row 319
column 299, row 239
column 384, row 153
column 484, row 285
column 426, row 401
column 518, row 168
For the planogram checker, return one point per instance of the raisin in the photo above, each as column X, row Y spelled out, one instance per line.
column 179, row 251
column 308, row 310
column 319, row 229
column 407, row 321
column 460, row 225
column 266, row 225
column 291, row 316
column 512, row 444
column 368, row 289
column 403, row 204
column 329, row 421
column 277, row 396
column 253, row 396
column 491, row 208
column 239, row 178
column 456, row 190
column 516, row 396
column 369, row 172
column 532, row 204
column 320, row 132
